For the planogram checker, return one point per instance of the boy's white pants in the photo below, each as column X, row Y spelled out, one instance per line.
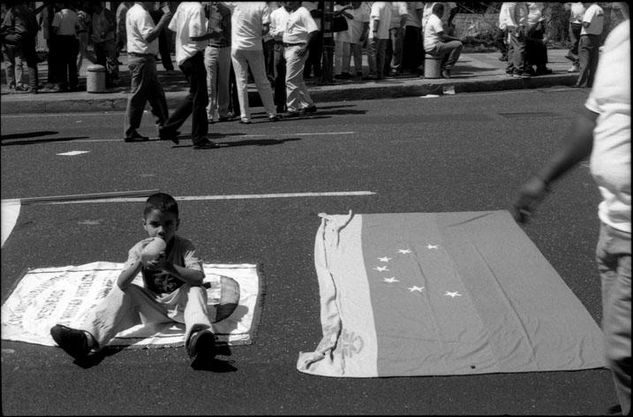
column 121, row 310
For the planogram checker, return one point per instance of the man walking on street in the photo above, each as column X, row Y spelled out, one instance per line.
column 190, row 24
column 142, row 47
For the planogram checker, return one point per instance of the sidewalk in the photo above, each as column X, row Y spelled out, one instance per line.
column 474, row 72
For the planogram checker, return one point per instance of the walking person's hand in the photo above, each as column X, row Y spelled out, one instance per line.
column 529, row 197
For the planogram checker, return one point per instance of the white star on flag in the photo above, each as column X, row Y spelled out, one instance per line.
column 384, row 259
column 414, row 288
column 429, row 246
column 405, row 251
column 391, row 280
column 453, row 294
column 381, row 268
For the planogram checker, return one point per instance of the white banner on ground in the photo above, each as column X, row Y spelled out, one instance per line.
column 48, row 296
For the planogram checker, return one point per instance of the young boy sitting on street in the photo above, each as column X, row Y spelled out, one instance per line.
column 172, row 291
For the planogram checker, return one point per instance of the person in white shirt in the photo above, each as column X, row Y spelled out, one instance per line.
column 358, row 27
column 190, row 24
column 589, row 44
column 602, row 133
column 278, row 20
column 576, row 12
column 249, row 22
column 66, row 47
column 142, row 47
column 380, row 21
column 300, row 32
column 437, row 43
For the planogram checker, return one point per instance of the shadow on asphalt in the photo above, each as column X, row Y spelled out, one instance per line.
column 34, row 141
column 24, row 135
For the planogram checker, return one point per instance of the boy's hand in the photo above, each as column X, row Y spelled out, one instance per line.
column 161, row 264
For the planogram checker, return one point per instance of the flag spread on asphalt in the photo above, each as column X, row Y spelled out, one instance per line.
column 442, row 294
column 63, row 295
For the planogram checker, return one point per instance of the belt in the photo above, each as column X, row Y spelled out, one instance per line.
column 141, row 55
column 294, row 44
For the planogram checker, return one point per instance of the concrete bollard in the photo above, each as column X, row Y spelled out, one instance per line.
column 95, row 79
column 432, row 67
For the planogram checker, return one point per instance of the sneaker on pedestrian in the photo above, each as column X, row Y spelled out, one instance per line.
column 245, row 121
column 273, row 118
column 201, row 348
column 574, row 68
column 72, row 341
column 446, row 73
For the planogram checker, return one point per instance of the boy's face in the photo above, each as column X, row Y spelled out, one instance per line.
column 161, row 224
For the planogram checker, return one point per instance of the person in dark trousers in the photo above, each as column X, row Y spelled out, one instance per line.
column 163, row 40
column 142, row 45
column 190, row 24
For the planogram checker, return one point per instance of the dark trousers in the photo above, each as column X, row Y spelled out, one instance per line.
column 195, row 104
column 517, row 53
column 412, row 49
column 269, row 59
column 144, row 87
column 280, row 78
column 588, row 54
column 574, row 38
column 536, row 51
column 163, row 41
column 26, row 50
column 313, row 63
column 500, row 42
column 66, row 48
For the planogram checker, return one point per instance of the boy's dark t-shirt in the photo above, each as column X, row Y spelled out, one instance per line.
column 180, row 251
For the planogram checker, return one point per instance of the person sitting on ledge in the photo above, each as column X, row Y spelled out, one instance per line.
column 437, row 43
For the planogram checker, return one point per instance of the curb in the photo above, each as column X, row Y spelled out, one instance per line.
column 390, row 88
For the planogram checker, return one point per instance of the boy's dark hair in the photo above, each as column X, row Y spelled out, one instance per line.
column 161, row 201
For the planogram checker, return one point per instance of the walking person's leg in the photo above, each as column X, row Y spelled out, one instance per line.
column 594, row 56
column 280, row 78
column 211, row 54
column 139, row 89
column 613, row 255
column 258, row 69
column 200, row 100
column 584, row 56
column 240, row 66
column 223, row 82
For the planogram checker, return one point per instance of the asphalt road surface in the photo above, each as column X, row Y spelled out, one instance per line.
column 453, row 153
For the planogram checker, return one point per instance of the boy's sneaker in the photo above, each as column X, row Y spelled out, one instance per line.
column 73, row 341
column 201, row 348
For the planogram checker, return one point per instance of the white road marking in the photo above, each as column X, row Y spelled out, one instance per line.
column 221, row 197
column 10, row 213
column 72, row 153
